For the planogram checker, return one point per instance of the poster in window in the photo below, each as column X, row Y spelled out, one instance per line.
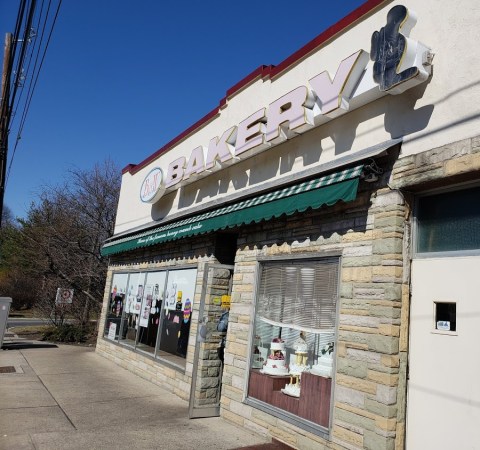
column 146, row 306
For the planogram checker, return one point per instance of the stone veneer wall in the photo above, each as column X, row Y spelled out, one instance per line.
column 369, row 384
column 209, row 372
column 372, row 348
column 187, row 254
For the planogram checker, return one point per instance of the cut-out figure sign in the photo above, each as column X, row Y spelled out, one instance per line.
column 397, row 58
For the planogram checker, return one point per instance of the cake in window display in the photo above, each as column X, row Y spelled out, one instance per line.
column 324, row 364
column 258, row 359
column 301, row 355
column 275, row 364
column 293, row 388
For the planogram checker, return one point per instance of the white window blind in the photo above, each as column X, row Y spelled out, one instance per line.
column 301, row 295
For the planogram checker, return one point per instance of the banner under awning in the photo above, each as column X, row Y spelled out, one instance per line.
column 326, row 190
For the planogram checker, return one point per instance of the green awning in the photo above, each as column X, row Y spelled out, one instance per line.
column 326, row 190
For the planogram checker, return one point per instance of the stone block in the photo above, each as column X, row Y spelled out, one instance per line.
column 392, row 220
column 383, row 344
column 389, row 330
column 357, row 274
column 255, row 427
column 388, row 379
column 241, row 409
column 386, row 424
column 388, row 271
column 285, row 436
column 238, row 382
column 358, row 329
column 385, row 311
column 352, row 418
column 357, row 251
column 386, row 394
column 390, row 360
column 353, row 338
column 380, row 409
column 359, row 320
column 358, row 411
column 386, row 246
column 311, row 443
column 368, row 293
column 363, row 355
column 231, row 417
column 348, row 436
column 356, row 369
column 361, row 261
column 357, row 384
column 263, row 419
column 349, row 396
column 449, row 152
column 374, row 441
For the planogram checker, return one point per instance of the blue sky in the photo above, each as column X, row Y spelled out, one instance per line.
column 123, row 78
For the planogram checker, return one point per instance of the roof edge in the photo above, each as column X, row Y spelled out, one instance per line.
column 264, row 72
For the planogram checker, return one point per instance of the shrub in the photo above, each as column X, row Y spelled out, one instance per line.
column 67, row 333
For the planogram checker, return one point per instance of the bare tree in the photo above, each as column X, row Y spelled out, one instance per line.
column 62, row 237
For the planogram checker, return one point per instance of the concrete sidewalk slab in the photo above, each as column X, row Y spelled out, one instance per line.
column 71, row 398
column 15, row 421
column 32, row 394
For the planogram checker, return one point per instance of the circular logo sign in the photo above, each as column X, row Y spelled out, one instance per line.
column 152, row 187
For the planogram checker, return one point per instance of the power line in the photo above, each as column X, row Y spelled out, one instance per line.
column 35, row 73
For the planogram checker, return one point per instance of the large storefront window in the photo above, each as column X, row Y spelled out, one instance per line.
column 115, row 305
column 294, row 337
column 151, row 312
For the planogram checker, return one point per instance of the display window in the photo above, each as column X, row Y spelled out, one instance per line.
column 116, row 304
column 177, row 312
column 293, row 346
column 151, row 312
column 132, row 309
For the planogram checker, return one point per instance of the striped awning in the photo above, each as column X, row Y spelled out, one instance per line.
column 325, row 190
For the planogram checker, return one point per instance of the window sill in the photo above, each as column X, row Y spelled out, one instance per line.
column 446, row 333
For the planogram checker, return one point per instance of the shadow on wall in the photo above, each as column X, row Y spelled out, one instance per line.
column 400, row 119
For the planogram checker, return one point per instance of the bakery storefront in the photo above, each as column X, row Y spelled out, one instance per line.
column 261, row 265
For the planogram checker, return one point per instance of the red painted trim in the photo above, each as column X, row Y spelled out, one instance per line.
column 264, row 72
column 133, row 169
column 260, row 72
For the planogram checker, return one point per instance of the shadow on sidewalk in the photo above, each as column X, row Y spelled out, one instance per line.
column 26, row 345
column 274, row 445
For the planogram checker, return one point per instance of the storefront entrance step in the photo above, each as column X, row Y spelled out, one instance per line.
column 274, row 445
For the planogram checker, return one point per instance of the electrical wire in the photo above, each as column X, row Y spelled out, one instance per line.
column 23, row 51
column 35, row 43
column 33, row 86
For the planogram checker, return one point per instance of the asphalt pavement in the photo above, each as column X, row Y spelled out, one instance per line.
column 68, row 397
column 25, row 322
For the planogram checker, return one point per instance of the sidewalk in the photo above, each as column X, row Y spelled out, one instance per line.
column 68, row 397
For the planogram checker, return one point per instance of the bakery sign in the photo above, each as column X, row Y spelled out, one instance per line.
column 395, row 63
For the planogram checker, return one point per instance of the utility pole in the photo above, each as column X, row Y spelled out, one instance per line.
column 4, row 118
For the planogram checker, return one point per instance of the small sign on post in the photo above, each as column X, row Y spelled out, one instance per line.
column 64, row 296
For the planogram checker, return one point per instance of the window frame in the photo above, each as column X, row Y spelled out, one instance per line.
column 143, row 275
column 415, row 225
column 265, row 407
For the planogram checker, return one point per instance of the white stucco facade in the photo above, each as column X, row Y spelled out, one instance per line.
column 440, row 111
